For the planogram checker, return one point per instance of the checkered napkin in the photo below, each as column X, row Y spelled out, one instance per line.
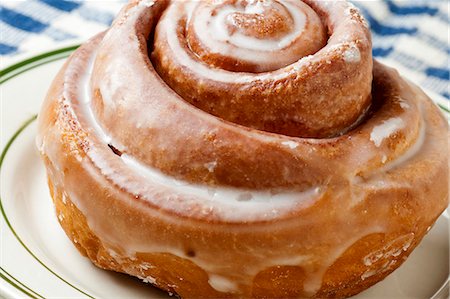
column 412, row 35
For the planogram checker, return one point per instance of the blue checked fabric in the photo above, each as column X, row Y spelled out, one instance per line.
column 411, row 35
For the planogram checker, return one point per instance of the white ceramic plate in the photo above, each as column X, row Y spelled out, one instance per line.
column 38, row 261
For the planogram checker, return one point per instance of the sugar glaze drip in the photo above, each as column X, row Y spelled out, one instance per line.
column 227, row 200
column 219, row 279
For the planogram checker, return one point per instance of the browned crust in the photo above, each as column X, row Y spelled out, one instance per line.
column 405, row 210
column 168, row 269
column 183, row 278
column 104, row 216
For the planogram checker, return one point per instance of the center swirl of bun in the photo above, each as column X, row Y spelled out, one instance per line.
column 243, row 94
column 254, row 35
column 296, row 68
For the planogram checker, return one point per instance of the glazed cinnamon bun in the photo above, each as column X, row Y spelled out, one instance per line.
column 242, row 148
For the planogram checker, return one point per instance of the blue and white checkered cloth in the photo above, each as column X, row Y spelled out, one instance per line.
column 411, row 35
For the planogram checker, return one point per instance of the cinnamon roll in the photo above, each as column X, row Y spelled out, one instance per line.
column 242, row 148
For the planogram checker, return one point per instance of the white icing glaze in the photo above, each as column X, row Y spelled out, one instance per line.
column 147, row 3
column 293, row 260
column 368, row 274
column 217, row 30
column 64, row 198
column 170, row 26
column 146, row 266
column 352, row 54
column 389, row 253
column 404, row 104
column 391, row 249
column 352, row 11
column 232, row 200
column 227, row 202
column 211, row 166
column 85, row 101
column 386, row 129
column 412, row 150
column 256, row 6
column 290, row 144
column 235, row 203
column 147, row 279
column 313, row 282
column 225, row 282
column 211, row 28
column 222, row 284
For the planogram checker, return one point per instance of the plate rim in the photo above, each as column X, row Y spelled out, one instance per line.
column 26, row 63
column 6, row 74
column 32, row 61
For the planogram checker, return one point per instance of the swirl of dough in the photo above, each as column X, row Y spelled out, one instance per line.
column 327, row 91
column 255, row 35
column 269, row 64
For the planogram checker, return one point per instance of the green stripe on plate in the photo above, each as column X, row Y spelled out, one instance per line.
column 27, row 64
column 32, row 65
column 2, row 276
column 5, row 75
column 444, row 108
column 8, row 277
column 2, row 159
